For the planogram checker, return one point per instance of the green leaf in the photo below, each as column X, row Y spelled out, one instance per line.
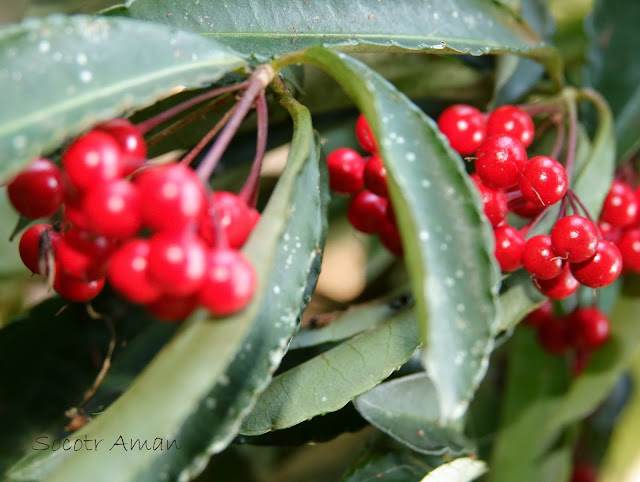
column 628, row 128
column 329, row 381
column 257, row 29
column 59, row 76
column 198, row 388
column 464, row 469
column 389, row 466
column 447, row 241
column 518, row 298
column 407, row 409
column 10, row 263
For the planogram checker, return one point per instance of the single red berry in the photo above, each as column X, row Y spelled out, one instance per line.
column 235, row 218
column 602, row 269
column 82, row 255
column 513, row 121
column 629, row 246
column 499, row 160
column 590, row 327
column 75, row 289
column 375, row 176
column 543, row 181
column 579, row 361
column 114, row 209
column 620, row 207
column 390, row 238
column 177, row 262
column 367, row 212
column 609, row 232
column 494, row 202
column 539, row 258
column 92, row 159
column 574, row 238
column 508, row 248
column 37, row 192
column 172, row 197
column 130, row 141
column 173, row 308
column 128, row 272
column 553, row 336
column 584, row 472
column 34, row 242
column 365, row 136
column 464, row 126
column 559, row 287
column 540, row 315
column 254, row 218
column 346, row 171
column 229, row 282
column 526, row 209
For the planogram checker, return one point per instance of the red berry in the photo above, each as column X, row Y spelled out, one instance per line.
column 37, row 191
column 365, row 136
column 229, row 282
column 543, row 181
column 172, row 308
column 375, row 176
column 367, row 212
column 236, row 219
column 527, row 209
column 539, row 258
column 609, row 232
column 128, row 272
column 589, row 328
column 390, row 238
column 34, row 242
column 82, row 255
column 602, row 269
column 391, row 215
column 584, row 472
column 75, row 289
column 92, row 159
column 620, row 207
column 130, row 141
column 114, row 209
column 559, row 287
column 554, row 336
column 177, row 262
column 513, row 121
column 172, row 197
column 629, row 246
column 494, row 202
column 579, row 361
column 508, row 248
column 464, row 126
column 499, row 160
column 540, row 315
column 574, row 238
column 346, row 171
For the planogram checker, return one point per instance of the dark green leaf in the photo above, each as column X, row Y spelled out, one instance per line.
column 388, row 467
column 518, row 298
column 628, row 128
column 59, row 76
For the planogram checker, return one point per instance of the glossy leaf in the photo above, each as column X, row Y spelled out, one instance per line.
column 200, row 383
column 58, row 76
column 628, row 128
column 518, row 298
column 340, row 375
column 451, row 265
column 255, row 28
column 464, row 469
column 391, row 466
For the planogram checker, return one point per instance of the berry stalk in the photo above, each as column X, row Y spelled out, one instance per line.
column 251, row 188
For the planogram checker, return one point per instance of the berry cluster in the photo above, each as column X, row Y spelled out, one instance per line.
column 365, row 179
column 152, row 230
column 581, row 331
column 574, row 253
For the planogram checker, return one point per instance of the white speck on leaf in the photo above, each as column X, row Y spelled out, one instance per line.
column 86, row 76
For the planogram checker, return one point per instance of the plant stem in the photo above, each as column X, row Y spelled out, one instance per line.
column 191, row 155
column 251, row 188
column 557, row 145
column 532, row 224
column 586, row 212
column 572, row 141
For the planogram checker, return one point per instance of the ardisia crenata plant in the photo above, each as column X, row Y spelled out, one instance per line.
column 233, row 229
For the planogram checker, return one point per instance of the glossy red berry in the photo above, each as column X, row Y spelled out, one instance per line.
column 609, row 232
column 75, row 289
column 375, row 176
column 229, row 282
column 346, row 171
column 602, row 269
column 543, row 181
column 173, row 308
column 494, row 202
column 464, row 126
column 365, row 136
column 589, row 327
column 235, row 218
column 526, row 209
column 391, row 215
column 554, row 336
column 539, row 258
column 37, row 191
column 560, row 287
column 508, row 247
column 83, row 255
column 128, row 272
column 172, row 197
column 540, row 315
column 92, row 159
column 629, row 246
column 177, row 262
column 114, row 209
column 574, row 238
column 130, row 141
column 390, row 238
column 620, row 207
column 35, row 241
column 499, row 160
column 513, row 121
column 367, row 212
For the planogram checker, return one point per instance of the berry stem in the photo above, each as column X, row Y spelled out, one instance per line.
column 557, row 145
column 222, row 241
column 191, row 155
column 572, row 141
column 258, row 81
column 251, row 188
column 575, row 198
column 513, row 196
column 538, row 108
column 526, row 229
column 154, row 121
